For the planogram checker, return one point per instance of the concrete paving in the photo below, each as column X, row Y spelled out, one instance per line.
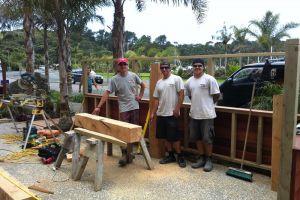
column 134, row 181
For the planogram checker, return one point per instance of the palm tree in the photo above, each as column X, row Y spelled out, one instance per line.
column 239, row 38
column 198, row 6
column 267, row 30
column 12, row 12
column 224, row 35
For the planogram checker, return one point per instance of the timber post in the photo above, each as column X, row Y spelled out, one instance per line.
column 290, row 110
column 276, row 138
column 156, row 146
column 211, row 67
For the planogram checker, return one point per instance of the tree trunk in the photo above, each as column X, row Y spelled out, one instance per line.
column 118, row 31
column 64, row 98
column 46, row 54
column 28, row 31
column 68, row 59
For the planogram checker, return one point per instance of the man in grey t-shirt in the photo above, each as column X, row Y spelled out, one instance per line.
column 124, row 85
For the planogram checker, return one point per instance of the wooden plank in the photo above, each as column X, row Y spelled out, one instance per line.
column 41, row 123
column 234, row 160
column 11, row 189
column 75, row 155
column 259, row 140
column 276, row 138
column 124, row 131
column 100, row 136
column 99, row 166
column 244, row 111
column 233, row 136
column 66, row 147
column 237, row 55
column 80, row 168
column 146, row 154
column 108, row 115
column 84, row 79
column 211, row 67
column 290, row 107
column 156, row 146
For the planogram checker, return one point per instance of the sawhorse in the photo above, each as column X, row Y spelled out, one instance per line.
column 94, row 150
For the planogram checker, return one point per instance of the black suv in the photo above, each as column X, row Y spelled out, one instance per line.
column 77, row 74
column 236, row 90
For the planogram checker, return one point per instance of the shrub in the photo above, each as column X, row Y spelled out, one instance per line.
column 231, row 69
column 77, row 98
column 264, row 96
column 220, row 72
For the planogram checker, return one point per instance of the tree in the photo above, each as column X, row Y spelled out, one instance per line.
column 267, row 30
column 224, row 35
column 129, row 40
column 239, row 38
column 12, row 11
column 161, row 40
column 198, row 6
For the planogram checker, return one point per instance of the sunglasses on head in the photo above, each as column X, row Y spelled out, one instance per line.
column 123, row 63
column 195, row 66
column 164, row 67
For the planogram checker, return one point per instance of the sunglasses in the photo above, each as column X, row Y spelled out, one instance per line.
column 195, row 66
column 164, row 68
column 121, row 64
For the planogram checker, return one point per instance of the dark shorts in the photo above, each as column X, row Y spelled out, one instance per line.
column 202, row 129
column 166, row 128
column 132, row 116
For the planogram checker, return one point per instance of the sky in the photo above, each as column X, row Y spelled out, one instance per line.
column 180, row 26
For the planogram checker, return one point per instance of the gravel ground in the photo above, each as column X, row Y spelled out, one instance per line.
column 134, row 181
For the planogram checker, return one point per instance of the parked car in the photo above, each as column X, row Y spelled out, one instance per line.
column 237, row 89
column 77, row 74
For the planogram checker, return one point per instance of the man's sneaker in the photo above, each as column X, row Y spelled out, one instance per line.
column 167, row 159
column 208, row 165
column 200, row 163
column 181, row 162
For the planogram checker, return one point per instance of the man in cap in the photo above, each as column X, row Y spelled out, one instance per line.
column 168, row 97
column 203, row 90
column 124, row 85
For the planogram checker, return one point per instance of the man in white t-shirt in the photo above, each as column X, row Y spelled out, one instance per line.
column 204, row 92
column 168, row 97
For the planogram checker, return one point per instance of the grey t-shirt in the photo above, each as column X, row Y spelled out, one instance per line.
column 126, row 90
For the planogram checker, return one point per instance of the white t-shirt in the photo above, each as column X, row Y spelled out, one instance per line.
column 166, row 90
column 201, row 90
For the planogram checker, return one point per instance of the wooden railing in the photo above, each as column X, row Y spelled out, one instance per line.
column 230, row 128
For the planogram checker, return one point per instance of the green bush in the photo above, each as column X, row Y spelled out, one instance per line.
column 54, row 96
column 220, row 72
column 263, row 99
column 77, row 98
column 231, row 69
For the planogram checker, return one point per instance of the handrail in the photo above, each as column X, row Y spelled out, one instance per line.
column 237, row 55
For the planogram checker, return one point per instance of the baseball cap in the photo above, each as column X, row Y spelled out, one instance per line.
column 198, row 60
column 122, row 60
column 165, row 62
